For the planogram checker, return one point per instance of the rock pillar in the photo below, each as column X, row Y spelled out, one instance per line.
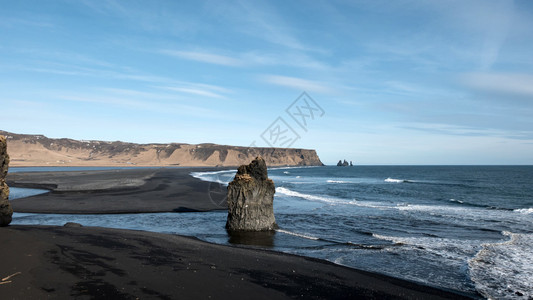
column 6, row 211
column 251, row 198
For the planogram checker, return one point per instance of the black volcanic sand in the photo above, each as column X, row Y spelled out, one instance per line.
column 98, row 263
column 118, row 191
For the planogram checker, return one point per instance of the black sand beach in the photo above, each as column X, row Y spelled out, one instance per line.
column 99, row 263
column 117, row 191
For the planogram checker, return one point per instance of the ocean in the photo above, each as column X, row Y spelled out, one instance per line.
column 466, row 228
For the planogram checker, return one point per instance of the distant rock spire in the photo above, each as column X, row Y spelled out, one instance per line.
column 343, row 163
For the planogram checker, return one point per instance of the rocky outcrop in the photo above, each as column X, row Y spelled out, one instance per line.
column 251, row 199
column 38, row 150
column 5, row 207
column 342, row 164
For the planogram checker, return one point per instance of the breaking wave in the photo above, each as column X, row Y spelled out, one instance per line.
column 298, row 234
column 393, row 180
column 524, row 210
column 504, row 270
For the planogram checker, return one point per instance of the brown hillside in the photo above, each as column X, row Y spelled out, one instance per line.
column 38, row 150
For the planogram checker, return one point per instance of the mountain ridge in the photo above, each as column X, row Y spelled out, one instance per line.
column 39, row 150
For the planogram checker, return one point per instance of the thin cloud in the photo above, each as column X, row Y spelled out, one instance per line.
column 205, row 57
column 297, row 83
column 194, row 91
column 199, row 89
column 504, row 83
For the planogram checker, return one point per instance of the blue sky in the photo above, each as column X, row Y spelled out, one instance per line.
column 397, row 82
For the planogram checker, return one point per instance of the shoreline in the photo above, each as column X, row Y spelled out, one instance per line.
column 116, row 191
column 165, row 188
column 124, row 264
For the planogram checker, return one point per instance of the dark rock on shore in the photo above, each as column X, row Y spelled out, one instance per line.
column 6, row 211
column 251, row 198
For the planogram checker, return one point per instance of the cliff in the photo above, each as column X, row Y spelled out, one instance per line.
column 38, row 150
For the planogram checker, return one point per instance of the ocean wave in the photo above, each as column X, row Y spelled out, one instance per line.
column 524, row 210
column 504, row 270
column 298, row 234
column 337, row 181
column 334, row 242
column 287, row 192
column 330, row 199
column 457, row 201
column 393, row 180
column 455, row 251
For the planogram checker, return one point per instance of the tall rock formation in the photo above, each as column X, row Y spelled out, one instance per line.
column 5, row 207
column 251, row 198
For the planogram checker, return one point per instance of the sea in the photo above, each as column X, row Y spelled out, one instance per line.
column 463, row 228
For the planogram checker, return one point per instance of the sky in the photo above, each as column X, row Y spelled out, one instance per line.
column 375, row 82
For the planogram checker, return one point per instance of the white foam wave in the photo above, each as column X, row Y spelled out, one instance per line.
column 286, row 172
column 329, row 199
column 504, row 270
column 287, row 192
column 524, row 210
column 394, row 180
column 298, row 234
column 336, row 181
column 455, row 251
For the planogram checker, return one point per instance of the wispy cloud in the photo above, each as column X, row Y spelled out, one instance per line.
column 297, row 83
column 194, row 91
column 505, row 83
column 250, row 58
column 448, row 129
column 17, row 22
column 260, row 20
column 198, row 89
column 205, row 57
column 149, row 102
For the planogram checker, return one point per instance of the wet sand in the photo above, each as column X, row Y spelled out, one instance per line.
column 118, row 191
column 100, row 263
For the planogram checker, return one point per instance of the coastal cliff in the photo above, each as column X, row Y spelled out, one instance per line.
column 38, row 150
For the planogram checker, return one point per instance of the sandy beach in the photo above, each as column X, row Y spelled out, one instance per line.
column 99, row 263
column 117, row 191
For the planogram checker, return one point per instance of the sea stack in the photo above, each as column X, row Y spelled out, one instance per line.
column 251, row 199
column 6, row 211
